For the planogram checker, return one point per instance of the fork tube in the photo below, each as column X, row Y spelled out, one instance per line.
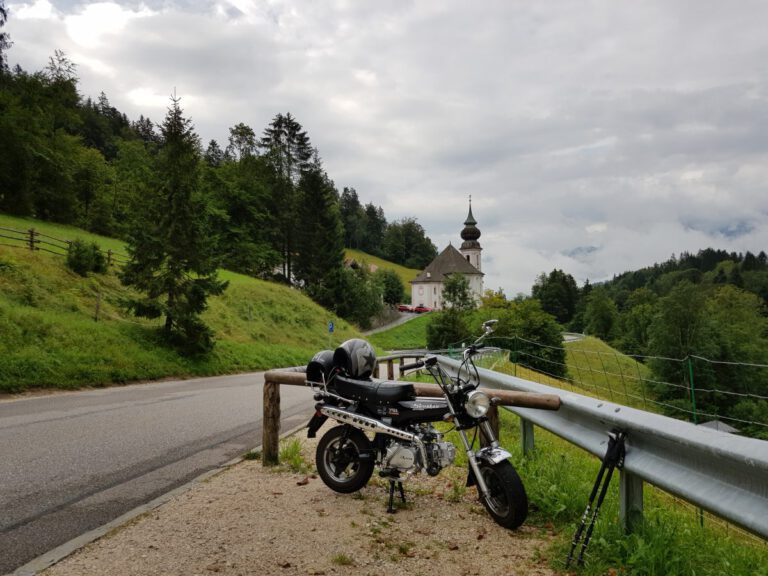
column 472, row 460
column 488, row 429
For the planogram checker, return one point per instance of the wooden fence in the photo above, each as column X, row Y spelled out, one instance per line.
column 33, row 240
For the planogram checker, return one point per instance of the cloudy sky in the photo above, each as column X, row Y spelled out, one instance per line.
column 593, row 136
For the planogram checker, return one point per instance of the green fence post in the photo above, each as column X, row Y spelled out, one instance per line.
column 695, row 419
column 693, row 390
column 514, row 352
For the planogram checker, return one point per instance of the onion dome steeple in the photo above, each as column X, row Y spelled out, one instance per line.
column 470, row 234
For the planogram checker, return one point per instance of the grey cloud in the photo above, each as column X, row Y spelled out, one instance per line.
column 594, row 137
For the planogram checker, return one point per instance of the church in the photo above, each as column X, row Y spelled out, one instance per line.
column 427, row 287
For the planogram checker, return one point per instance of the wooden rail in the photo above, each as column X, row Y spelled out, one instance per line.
column 296, row 377
column 32, row 239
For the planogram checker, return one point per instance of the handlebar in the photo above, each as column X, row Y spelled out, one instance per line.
column 405, row 367
column 427, row 361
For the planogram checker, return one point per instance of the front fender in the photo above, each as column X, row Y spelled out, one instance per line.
column 492, row 455
column 487, row 455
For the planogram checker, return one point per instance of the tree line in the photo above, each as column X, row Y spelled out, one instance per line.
column 711, row 304
column 260, row 205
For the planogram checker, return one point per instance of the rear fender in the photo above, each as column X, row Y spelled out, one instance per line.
column 315, row 423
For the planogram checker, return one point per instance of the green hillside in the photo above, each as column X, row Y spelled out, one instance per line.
column 49, row 336
column 411, row 335
column 405, row 274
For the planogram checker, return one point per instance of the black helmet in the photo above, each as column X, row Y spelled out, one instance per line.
column 355, row 358
column 319, row 368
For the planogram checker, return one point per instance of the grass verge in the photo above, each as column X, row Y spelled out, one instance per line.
column 671, row 540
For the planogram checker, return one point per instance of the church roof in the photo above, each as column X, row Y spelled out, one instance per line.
column 449, row 261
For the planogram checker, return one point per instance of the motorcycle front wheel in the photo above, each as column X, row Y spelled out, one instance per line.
column 338, row 459
column 507, row 502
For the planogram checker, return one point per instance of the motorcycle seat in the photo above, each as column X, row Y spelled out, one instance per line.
column 379, row 392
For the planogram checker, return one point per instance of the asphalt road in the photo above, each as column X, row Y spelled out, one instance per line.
column 71, row 462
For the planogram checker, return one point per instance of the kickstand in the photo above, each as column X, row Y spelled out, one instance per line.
column 391, row 507
column 614, row 458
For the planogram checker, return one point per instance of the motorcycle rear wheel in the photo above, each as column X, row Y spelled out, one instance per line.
column 338, row 459
column 507, row 502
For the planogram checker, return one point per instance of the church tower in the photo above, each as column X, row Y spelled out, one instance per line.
column 470, row 248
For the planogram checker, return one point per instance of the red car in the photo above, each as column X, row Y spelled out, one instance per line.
column 404, row 308
column 420, row 309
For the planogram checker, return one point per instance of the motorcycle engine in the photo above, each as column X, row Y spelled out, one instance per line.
column 441, row 453
column 400, row 457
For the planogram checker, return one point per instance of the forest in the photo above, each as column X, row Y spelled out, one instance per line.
column 697, row 320
column 263, row 204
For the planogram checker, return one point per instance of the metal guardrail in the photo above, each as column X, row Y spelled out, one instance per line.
column 722, row 473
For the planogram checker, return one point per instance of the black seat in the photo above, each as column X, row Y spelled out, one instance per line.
column 379, row 392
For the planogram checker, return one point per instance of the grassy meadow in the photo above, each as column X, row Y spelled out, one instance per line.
column 60, row 330
column 411, row 335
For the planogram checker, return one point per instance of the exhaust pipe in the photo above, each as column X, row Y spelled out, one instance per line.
column 373, row 425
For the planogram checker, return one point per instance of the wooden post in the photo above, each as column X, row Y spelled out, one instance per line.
column 109, row 258
column 31, row 238
column 98, row 307
column 271, row 435
column 390, row 369
column 377, row 370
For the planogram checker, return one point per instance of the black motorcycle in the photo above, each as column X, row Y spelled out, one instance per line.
column 404, row 438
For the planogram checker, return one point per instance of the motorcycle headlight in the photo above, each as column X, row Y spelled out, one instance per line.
column 477, row 404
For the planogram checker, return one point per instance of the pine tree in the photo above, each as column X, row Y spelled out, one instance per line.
column 287, row 148
column 319, row 239
column 172, row 249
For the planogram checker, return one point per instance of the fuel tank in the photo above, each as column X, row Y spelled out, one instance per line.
column 419, row 410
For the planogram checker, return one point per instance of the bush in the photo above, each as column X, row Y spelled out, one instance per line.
column 83, row 257
column 448, row 328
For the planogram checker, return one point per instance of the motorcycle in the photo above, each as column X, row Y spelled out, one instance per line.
column 405, row 440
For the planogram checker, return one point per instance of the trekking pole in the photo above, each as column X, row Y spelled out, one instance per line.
column 614, row 457
column 586, row 514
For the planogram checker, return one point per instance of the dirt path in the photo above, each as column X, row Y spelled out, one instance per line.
column 251, row 520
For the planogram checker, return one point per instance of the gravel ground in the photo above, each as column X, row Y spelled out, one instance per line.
column 254, row 520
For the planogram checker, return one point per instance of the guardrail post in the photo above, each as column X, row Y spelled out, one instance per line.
column 377, row 370
column 271, row 434
column 526, row 436
column 32, row 238
column 390, row 370
column 630, row 500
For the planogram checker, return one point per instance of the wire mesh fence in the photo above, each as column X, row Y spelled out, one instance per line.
column 725, row 395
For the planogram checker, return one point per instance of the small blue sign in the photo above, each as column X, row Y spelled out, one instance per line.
column 330, row 326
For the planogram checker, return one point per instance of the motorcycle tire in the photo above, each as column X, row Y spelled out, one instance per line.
column 338, row 459
column 508, row 502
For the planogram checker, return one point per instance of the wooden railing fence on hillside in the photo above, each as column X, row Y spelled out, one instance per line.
column 37, row 241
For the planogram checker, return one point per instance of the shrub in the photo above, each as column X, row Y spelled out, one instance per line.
column 83, row 257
